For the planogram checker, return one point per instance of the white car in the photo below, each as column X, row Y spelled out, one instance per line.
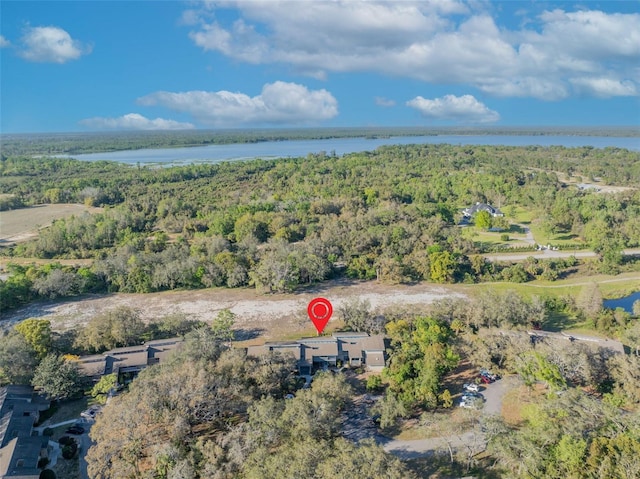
column 471, row 403
column 473, row 387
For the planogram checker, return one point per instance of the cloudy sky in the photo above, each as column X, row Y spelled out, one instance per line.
column 165, row 65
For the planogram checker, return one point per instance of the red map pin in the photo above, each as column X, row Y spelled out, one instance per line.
column 320, row 311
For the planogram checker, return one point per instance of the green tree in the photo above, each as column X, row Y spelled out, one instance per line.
column 57, row 378
column 102, row 388
column 442, row 267
column 482, row 219
column 121, row 326
column 18, row 359
column 222, row 326
column 37, row 332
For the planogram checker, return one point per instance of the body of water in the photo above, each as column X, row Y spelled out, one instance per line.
column 340, row 146
column 625, row 303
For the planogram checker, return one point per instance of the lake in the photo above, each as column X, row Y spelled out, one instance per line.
column 341, row 146
column 625, row 303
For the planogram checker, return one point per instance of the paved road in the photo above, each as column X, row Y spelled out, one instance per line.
column 549, row 254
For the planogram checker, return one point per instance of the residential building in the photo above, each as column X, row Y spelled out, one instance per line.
column 472, row 210
column 20, row 450
column 313, row 354
column 127, row 362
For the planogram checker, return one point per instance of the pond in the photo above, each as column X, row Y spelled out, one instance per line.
column 625, row 303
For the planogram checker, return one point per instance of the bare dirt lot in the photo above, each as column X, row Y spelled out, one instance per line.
column 23, row 224
column 259, row 316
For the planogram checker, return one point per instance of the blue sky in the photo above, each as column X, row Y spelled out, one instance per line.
column 154, row 65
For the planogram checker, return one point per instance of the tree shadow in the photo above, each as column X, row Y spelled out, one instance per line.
column 244, row 334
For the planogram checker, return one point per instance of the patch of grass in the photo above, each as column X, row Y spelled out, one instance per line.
column 560, row 239
column 519, row 214
column 558, row 321
column 516, row 400
column 67, row 410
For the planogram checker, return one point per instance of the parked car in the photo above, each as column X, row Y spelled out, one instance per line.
column 91, row 412
column 488, row 374
column 76, row 430
column 471, row 403
column 473, row 387
column 467, row 396
column 485, row 380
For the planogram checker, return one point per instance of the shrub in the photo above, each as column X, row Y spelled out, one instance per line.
column 374, row 383
column 66, row 440
column 47, row 474
column 69, row 450
column 47, row 432
column 504, row 237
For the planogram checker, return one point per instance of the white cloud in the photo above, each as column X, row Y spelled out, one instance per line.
column 436, row 42
column 278, row 103
column 4, row 42
column 463, row 109
column 386, row 102
column 52, row 45
column 605, row 87
column 134, row 121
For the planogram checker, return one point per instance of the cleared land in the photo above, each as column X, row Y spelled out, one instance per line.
column 23, row 224
column 257, row 315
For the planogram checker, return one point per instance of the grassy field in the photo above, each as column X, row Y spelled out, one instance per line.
column 610, row 286
column 477, row 235
column 23, row 224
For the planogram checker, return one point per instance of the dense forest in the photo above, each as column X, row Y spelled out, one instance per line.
column 390, row 215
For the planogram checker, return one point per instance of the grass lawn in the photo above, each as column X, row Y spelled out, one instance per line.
column 519, row 214
column 516, row 400
column 611, row 286
column 561, row 239
column 69, row 410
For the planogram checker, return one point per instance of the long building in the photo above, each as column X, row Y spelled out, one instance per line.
column 312, row 354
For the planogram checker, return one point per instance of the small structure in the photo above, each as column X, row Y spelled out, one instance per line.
column 313, row 354
column 20, row 452
column 129, row 361
column 472, row 210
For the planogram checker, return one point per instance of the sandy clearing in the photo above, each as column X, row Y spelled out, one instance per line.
column 269, row 316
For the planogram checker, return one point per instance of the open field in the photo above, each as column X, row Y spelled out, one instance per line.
column 262, row 317
column 610, row 286
column 23, row 224
column 257, row 316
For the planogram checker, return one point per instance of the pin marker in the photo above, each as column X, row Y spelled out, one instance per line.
column 320, row 311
